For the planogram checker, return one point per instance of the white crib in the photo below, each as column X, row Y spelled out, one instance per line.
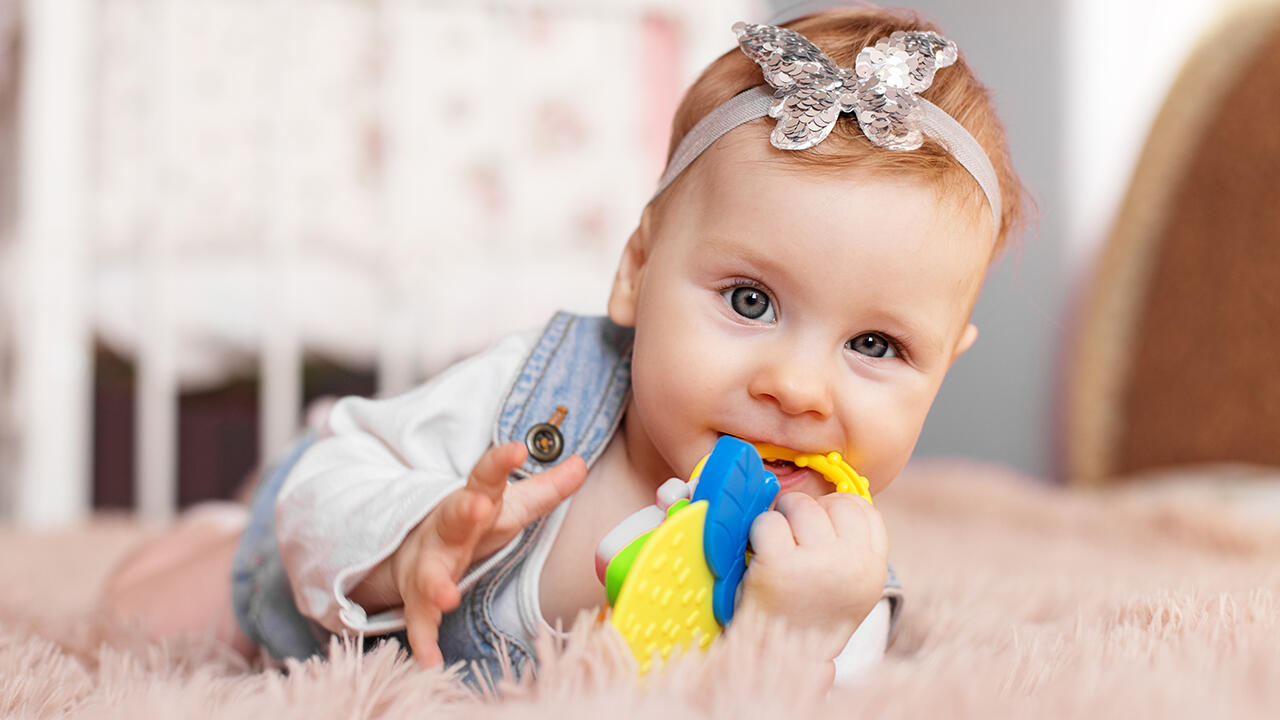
column 122, row 99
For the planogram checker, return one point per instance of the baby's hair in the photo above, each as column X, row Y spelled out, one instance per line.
column 841, row 34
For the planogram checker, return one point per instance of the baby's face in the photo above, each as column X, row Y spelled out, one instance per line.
column 814, row 310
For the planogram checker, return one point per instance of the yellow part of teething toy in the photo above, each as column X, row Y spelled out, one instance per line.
column 831, row 466
column 665, row 602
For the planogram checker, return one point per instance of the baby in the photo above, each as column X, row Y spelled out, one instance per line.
column 804, row 282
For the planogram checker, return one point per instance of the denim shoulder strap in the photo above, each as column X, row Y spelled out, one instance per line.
column 566, row 400
column 576, row 380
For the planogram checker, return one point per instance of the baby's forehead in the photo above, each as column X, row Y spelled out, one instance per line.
column 745, row 157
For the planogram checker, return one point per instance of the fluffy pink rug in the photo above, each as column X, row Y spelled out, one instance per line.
column 1021, row 600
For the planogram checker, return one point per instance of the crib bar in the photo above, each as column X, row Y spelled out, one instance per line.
column 397, row 351
column 280, row 389
column 52, row 353
column 156, row 391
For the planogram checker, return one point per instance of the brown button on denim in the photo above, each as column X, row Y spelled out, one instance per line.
column 545, row 442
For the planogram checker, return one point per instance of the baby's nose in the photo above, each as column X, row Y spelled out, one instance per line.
column 798, row 387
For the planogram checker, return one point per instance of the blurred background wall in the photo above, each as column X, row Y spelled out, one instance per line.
column 1078, row 83
column 214, row 210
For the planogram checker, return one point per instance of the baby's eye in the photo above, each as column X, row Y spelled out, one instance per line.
column 872, row 345
column 749, row 302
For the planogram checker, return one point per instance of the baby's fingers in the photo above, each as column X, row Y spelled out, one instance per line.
column 532, row 498
column 856, row 521
column 424, row 634
column 770, row 535
column 433, row 593
column 460, row 515
column 538, row 495
column 490, row 474
column 809, row 521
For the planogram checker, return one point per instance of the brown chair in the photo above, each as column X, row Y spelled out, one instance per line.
column 1175, row 356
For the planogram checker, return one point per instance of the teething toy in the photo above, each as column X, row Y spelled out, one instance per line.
column 672, row 570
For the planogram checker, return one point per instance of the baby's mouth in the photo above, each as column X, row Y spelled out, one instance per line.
column 788, row 473
column 790, row 467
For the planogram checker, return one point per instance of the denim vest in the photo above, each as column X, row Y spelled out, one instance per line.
column 566, row 400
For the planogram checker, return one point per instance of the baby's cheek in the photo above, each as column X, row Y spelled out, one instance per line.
column 890, row 464
column 884, row 448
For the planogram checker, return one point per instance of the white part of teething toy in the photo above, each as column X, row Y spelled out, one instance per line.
column 672, row 491
column 636, row 524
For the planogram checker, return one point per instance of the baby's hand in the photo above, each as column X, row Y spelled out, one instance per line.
column 469, row 525
column 820, row 564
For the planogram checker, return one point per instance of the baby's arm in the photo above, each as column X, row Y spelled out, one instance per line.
column 820, row 564
column 378, row 469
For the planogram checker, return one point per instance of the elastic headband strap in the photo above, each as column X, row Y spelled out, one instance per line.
column 755, row 103
column 744, row 107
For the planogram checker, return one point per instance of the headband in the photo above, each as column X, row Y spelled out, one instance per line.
column 810, row 91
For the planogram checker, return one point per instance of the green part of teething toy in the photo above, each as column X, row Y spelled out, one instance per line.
column 620, row 565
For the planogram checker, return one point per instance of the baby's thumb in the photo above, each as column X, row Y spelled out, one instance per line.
column 537, row 495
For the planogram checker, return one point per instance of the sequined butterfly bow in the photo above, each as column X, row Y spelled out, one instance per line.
column 880, row 89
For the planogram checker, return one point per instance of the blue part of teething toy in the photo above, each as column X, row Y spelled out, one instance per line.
column 737, row 488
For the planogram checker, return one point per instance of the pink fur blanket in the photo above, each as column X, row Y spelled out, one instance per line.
column 1021, row 599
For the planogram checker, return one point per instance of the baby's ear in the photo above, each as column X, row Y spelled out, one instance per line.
column 625, row 294
column 967, row 338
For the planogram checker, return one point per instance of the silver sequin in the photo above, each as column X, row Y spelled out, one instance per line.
column 811, row 90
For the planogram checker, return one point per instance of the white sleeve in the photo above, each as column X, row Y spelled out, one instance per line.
column 866, row 647
column 377, row 469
